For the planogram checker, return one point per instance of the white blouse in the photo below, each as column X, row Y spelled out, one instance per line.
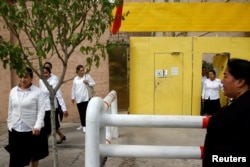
column 211, row 89
column 79, row 91
column 53, row 80
column 26, row 109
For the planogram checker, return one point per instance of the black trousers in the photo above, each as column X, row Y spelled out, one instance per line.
column 212, row 106
column 82, row 108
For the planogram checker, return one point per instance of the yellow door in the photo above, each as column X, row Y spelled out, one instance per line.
column 219, row 64
column 168, row 83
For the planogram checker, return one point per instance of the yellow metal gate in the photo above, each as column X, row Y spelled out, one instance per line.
column 165, row 72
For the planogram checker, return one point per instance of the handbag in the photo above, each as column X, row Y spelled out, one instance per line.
column 90, row 90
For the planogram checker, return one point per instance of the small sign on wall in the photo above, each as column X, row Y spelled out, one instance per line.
column 161, row 73
column 174, row 71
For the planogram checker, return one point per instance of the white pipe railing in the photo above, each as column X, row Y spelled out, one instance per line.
column 98, row 118
column 158, row 121
column 141, row 151
column 92, row 135
column 95, row 132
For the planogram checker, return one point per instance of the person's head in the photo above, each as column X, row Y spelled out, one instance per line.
column 204, row 71
column 26, row 79
column 80, row 70
column 48, row 64
column 211, row 74
column 46, row 72
column 236, row 78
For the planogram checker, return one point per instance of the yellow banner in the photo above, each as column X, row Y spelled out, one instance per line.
column 191, row 17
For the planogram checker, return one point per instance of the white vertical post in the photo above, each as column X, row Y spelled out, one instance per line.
column 114, row 111
column 92, row 138
column 108, row 130
column 111, row 103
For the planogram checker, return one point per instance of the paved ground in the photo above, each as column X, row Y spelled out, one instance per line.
column 72, row 152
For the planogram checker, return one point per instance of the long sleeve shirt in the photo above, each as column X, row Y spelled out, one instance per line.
column 53, row 80
column 26, row 109
column 211, row 89
column 79, row 91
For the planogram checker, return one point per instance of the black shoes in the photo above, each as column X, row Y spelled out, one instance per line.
column 60, row 141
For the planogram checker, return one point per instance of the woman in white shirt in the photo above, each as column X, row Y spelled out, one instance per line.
column 58, row 99
column 210, row 93
column 25, row 120
column 79, row 93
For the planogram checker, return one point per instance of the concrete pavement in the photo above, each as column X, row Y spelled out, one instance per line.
column 72, row 152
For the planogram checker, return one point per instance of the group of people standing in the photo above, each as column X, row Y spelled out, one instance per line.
column 29, row 114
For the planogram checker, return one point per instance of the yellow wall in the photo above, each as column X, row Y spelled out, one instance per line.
column 191, row 17
column 143, row 51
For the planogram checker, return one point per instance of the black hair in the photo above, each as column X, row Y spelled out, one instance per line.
column 49, row 63
column 48, row 69
column 27, row 72
column 239, row 69
column 78, row 68
column 213, row 71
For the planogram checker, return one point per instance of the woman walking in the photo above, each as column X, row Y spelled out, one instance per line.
column 79, row 93
column 25, row 120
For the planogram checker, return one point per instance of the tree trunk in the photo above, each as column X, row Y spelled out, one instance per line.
column 53, row 126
